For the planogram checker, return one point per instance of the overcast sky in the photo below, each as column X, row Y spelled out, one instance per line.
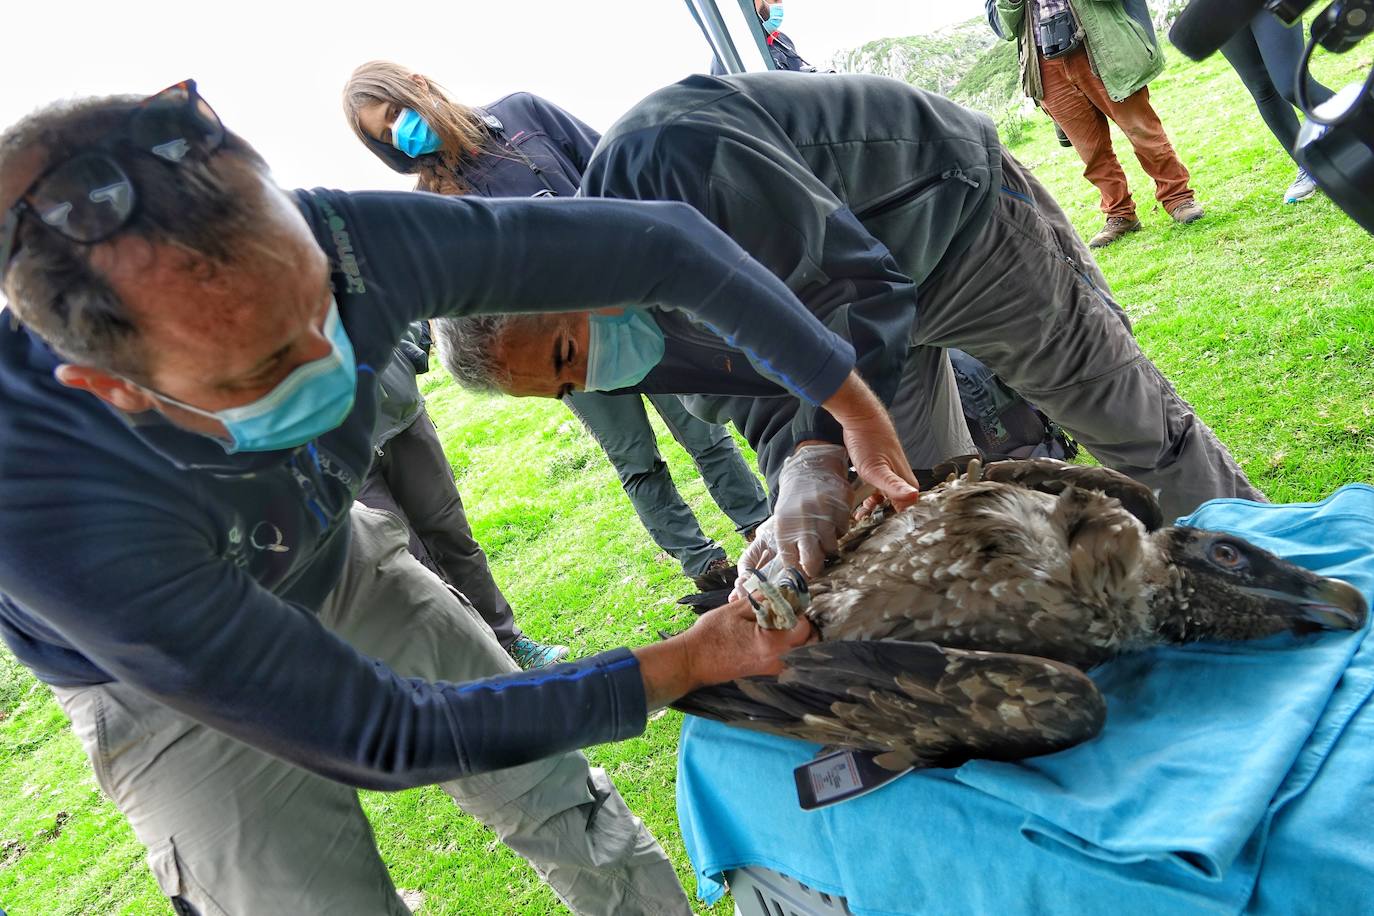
column 274, row 71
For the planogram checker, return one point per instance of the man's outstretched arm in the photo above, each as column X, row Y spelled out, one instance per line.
column 724, row 644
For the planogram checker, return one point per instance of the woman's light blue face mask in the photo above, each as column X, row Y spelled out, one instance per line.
column 312, row 400
column 621, row 349
column 412, row 135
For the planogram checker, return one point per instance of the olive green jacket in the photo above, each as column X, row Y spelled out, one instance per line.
column 1121, row 52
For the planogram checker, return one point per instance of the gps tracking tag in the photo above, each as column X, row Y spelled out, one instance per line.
column 838, row 777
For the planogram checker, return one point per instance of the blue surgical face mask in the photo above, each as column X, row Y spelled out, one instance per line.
column 412, row 135
column 621, row 349
column 774, row 20
column 312, row 400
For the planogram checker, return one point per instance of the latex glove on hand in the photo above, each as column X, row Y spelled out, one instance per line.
column 812, row 511
column 760, row 554
column 819, row 512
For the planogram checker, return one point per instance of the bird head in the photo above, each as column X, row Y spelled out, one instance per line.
column 1227, row 588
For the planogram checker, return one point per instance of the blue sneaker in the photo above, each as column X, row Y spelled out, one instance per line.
column 529, row 654
column 1302, row 188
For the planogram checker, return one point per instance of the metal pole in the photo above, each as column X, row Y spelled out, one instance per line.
column 751, row 17
column 711, row 21
column 712, row 24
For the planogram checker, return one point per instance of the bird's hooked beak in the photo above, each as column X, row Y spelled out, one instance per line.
column 1322, row 604
column 1252, row 593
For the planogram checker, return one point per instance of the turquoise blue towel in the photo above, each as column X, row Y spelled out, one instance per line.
column 1187, row 802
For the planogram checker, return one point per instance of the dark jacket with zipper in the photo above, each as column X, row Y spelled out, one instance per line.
column 536, row 146
column 783, row 52
column 139, row 552
column 821, row 178
column 399, row 401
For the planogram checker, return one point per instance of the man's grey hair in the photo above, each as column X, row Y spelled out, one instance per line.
column 52, row 287
column 468, row 346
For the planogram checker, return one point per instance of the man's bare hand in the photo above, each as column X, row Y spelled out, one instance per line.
column 725, row 644
column 874, row 449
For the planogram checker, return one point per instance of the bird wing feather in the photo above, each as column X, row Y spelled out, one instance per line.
column 1051, row 476
column 915, row 704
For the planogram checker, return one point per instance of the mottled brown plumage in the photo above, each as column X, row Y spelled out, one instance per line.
column 1011, row 582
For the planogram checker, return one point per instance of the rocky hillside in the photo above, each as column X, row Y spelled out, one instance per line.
column 966, row 62
column 936, row 61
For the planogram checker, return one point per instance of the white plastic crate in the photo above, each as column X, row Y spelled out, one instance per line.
column 764, row 892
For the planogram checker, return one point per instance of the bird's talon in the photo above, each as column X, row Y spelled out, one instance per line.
column 776, row 611
column 795, row 579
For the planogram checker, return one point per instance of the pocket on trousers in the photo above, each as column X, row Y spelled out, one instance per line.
column 909, row 217
column 100, row 754
column 172, row 878
column 90, row 715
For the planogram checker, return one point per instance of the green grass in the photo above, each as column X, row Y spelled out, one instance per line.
column 1263, row 315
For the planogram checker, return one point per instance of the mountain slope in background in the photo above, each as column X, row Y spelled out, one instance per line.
column 968, row 63
column 936, row 61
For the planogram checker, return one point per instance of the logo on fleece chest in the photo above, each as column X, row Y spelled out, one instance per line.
column 280, row 518
column 345, row 261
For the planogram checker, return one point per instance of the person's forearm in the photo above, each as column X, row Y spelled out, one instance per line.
column 874, row 447
column 666, row 671
column 855, row 403
column 712, row 279
column 723, row 645
column 450, row 256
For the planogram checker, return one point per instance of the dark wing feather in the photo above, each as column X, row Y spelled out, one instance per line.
column 709, row 600
column 915, row 704
column 1051, row 476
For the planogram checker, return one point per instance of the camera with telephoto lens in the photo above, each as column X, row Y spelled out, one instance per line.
column 1336, row 145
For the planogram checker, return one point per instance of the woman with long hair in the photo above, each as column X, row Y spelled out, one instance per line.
column 1267, row 55
column 525, row 146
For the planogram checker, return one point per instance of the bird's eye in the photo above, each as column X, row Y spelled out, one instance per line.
column 1226, row 555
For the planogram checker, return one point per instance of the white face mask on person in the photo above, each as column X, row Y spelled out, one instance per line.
column 621, row 349
column 312, row 400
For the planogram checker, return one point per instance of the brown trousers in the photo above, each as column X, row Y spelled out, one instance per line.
column 1076, row 98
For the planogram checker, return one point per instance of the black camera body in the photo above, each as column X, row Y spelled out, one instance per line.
column 1336, row 145
column 1340, row 155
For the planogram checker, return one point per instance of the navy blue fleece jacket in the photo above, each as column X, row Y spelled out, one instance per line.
column 128, row 547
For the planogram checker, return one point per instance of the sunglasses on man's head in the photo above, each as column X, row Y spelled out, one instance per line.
column 88, row 196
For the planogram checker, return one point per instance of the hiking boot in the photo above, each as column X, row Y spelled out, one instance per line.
column 1302, row 188
column 1116, row 227
column 1187, row 212
column 529, row 654
column 719, row 573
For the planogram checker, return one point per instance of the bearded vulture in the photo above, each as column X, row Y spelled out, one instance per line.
column 960, row 627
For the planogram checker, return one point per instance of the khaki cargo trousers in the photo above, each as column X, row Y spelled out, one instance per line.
column 1028, row 300
column 232, row 830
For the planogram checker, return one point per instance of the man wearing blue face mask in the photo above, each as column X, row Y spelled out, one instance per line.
column 187, row 401
column 902, row 223
column 780, row 47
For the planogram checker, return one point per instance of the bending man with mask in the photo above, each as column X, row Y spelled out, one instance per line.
column 187, row 400
column 902, row 224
